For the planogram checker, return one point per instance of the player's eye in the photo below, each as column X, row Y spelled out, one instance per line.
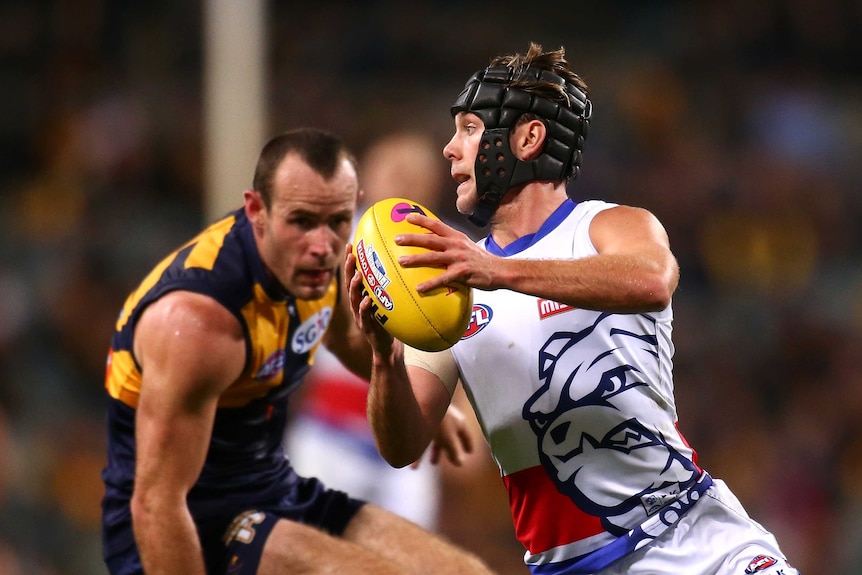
column 340, row 222
column 302, row 222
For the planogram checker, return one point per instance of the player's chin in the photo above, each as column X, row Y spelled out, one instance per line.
column 312, row 285
column 466, row 204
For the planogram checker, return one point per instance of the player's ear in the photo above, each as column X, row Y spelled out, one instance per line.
column 529, row 139
column 255, row 209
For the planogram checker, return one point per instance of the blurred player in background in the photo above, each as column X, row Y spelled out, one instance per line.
column 568, row 359
column 205, row 354
column 329, row 437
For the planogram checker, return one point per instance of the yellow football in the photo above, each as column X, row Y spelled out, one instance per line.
column 432, row 321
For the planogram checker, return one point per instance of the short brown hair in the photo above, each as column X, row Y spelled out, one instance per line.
column 322, row 151
column 554, row 61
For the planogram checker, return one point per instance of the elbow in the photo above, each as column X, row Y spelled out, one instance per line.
column 399, row 451
column 138, row 504
column 657, row 291
column 665, row 283
column 141, row 510
column 399, row 458
column 657, row 302
column 398, row 463
column 660, row 297
column 149, row 506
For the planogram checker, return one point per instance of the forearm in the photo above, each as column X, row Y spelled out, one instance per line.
column 352, row 350
column 400, row 428
column 347, row 342
column 620, row 283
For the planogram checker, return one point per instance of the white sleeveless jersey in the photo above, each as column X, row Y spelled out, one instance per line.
column 579, row 412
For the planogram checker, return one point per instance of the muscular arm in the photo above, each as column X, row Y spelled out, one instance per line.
column 345, row 340
column 404, row 411
column 190, row 349
column 633, row 272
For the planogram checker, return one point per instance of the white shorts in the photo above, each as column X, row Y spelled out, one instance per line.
column 716, row 537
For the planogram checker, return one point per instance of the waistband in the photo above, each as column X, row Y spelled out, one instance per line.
column 634, row 539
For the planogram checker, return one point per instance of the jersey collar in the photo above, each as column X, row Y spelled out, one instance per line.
column 522, row 243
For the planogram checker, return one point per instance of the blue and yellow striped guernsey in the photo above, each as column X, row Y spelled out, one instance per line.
column 245, row 465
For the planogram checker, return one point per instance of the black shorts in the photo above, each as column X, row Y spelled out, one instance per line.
column 233, row 544
column 240, row 546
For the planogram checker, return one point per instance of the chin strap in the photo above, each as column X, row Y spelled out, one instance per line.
column 495, row 164
column 490, row 95
column 488, row 204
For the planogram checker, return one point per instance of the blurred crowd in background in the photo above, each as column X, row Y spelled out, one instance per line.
column 738, row 123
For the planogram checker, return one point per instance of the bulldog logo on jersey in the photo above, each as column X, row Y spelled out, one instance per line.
column 588, row 417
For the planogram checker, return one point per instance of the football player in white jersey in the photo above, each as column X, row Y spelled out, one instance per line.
column 568, row 357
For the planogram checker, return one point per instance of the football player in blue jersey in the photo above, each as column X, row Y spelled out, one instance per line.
column 205, row 354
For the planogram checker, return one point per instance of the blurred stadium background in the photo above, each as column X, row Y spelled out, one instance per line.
column 738, row 123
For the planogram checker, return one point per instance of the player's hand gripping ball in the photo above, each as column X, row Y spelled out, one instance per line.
column 432, row 321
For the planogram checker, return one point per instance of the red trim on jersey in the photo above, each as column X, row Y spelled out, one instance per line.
column 545, row 518
column 686, row 443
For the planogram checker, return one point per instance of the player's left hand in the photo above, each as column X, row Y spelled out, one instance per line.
column 453, row 440
column 464, row 261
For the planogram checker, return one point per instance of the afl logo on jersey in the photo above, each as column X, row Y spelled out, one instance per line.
column 481, row 317
column 311, row 331
column 760, row 563
column 273, row 366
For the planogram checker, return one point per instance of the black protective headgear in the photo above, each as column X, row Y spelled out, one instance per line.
column 490, row 95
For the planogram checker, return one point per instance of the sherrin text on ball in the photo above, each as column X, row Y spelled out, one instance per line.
column 431, row 321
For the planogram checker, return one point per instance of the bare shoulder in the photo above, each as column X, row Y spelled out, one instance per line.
column 626, row 215
column 626, row 224
column 188, row 314
column 190, row 333
column 190, row 311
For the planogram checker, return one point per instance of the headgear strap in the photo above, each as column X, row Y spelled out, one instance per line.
column 489, row 95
